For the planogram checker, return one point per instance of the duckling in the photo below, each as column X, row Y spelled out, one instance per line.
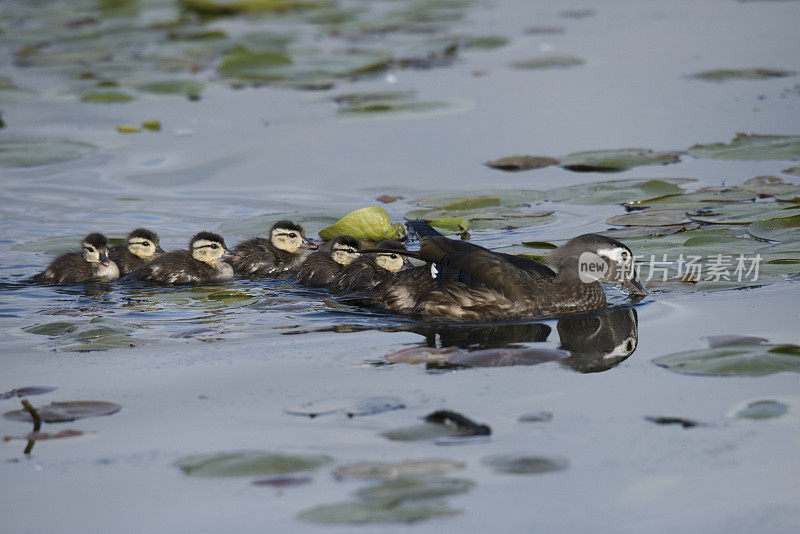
column 198, row 265
column 89, row 265
column 322, row 268
column 368, row 270
column 140, row 247
column 286, row 248
column 474, row 283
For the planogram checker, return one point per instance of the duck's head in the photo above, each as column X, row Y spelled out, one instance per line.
column 143, row 243
column 597, row 258
column 95, row 249
column 208, row 247
column 388, row 260
column 288, row 236
column 344, row 249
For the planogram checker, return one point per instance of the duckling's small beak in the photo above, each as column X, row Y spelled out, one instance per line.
column 227, row 253
column 407, row 263
column 634, row 287
column 307, row 243
column 104, row 258
column 159, row 250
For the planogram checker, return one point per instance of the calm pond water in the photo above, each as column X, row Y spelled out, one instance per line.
column 277, row 131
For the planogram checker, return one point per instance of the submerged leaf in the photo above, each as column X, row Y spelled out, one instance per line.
column 235, row 7
column 521, row 464
column 35, row 152
column 762, row 409
column 107, row 97
column 751, row 147
column 392, row 471
column 617, row 191
column 173, row 87
column 721, row 75
column 549, row 62
column 405, row 489
column 371, row 223
column 60, row 412
column 357, row 513
column 26, row 391
column 249, row 463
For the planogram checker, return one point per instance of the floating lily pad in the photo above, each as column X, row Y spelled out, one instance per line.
column 229, row 294
column 649, row 231
column 350, row 406
column 371, row 223
column 172, row 87
column 249, row 463
column 244, row 64
column 731, row 340
column 26, row 392
column 743, row 360
column 510, row 198
column 617, row 191
column 35, row 152
column 61, row 412
column 51, row 329
column 617, row 160
column 522, row 464
column 415, row 489
column 751, row 147
column 367, row 104
column 391, row 471
column 535, row 417
column 649, row 217
column 742, row 213
column 420, row 432
column 761, row 409
column 778, row 229
column 451, row 224
column 722, row 75
column 283, row 481
column 106, row 97
column 358, row 513
column 549, row 62
column 540, row 245
column 128, row 128
column 521, row 163
column 794, row 171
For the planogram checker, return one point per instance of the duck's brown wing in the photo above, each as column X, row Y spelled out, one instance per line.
column 402, row 290
column 361, row 275
column 256, row 256
column 69, row 268
column 475, row 266
column 318, row 269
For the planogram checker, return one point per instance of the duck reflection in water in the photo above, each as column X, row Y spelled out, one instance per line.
column 589, row 344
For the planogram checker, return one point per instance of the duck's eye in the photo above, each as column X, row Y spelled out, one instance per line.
column 214, row 246
column 88, row 249
column 292, row 235
column 625, row 256
column 146, row 244
column 629, row 346
column 393, row 256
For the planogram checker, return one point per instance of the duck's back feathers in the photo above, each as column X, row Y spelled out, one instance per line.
column 72, row 268
column 318, row 269
column 403, row 290
column 126, row 262
column 259, row 256
column 179, row 267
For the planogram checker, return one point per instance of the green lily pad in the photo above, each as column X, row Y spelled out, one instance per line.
column 521, row 464
column 386, row 102
column 229, row 294
column 62, row 412
column 722, row 75
column 794, row 171
column 521, row 163
column 370, row 223
column 244, row 64
column 540, row 245
column 451, row 224
column 26, row 392
column 617, row 160
column 740, row 360
column 549, row 62
column 172, row 87
column 249, row 463
column 762, row 409
column 511, row 198
column 357, row 513
column 751, row 147
column 649, row 217
column 128, row 129
column 36, row 152
column 649, row 231
column 415, row 489
column 778, row 229
column 742, row 213
column 617, row 191
column 51, row 329
column 106, row 97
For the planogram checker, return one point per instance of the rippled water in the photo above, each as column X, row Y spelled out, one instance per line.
column 212, row 369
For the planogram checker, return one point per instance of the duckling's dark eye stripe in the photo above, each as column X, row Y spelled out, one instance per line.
column 213, row 245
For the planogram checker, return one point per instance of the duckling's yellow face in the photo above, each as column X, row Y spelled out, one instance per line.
column 390, row 262
column 344, row 254
column 288, row 240
column 207, row 251
column 141, row 247
column 93, row 254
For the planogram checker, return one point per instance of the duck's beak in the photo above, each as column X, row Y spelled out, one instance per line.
column 634, row 287
column 407, row 263
column 104, row 258
column 227, row 253
column 159, row 250
column 307, row 243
